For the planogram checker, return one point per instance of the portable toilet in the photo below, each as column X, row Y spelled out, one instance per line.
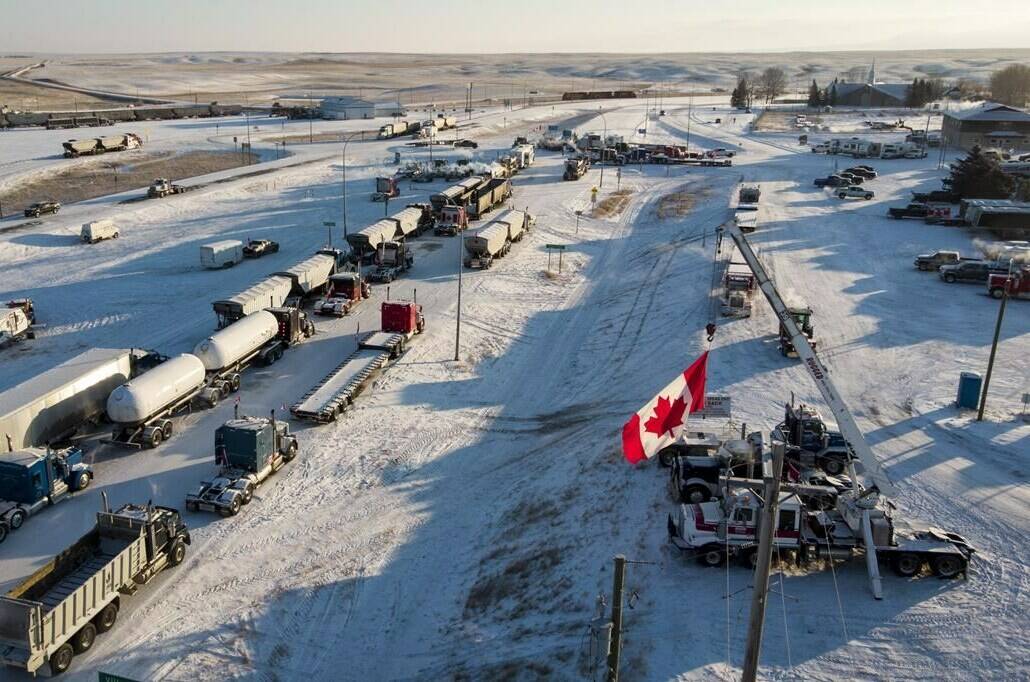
column 969, row 385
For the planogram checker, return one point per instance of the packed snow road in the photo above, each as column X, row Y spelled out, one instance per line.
column 460, row 521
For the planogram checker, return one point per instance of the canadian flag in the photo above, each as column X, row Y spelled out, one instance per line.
column 661, row 421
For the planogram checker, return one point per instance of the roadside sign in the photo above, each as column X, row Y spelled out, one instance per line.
column 329, row 223
column 716, row 407
column 556, row 247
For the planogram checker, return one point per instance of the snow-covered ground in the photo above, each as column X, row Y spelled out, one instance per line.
column 460, row 521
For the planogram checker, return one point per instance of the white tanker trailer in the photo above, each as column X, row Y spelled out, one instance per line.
column 141, row 409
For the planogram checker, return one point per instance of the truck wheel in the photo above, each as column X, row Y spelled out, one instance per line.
column 291, row 451
column 947, row 566
column 16, row 519
column 997, row 292
column 82, row 481
column 61, row 659
column 833, row 466
column 166, row 429
column 178, row 551
column 234, row 383
column 695, row 494
column 3, row 531
column 84, row 639
column 712, row 555
column 949, row 278
column 907, row 565
column 247, row 495
column 749, row 558
column 234, row 507
column 155, row 438
column 192, row 506
column 105, row 620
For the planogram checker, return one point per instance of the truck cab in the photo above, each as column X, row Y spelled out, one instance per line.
column 453, row 219
column 17, row 319
column 814, row 443
column 247, row 451
column 346, row 289
column 803, row 318
column 386, row 188
column 35, row 478
column 1017, row 284
column 391, row 259
column 932, row 261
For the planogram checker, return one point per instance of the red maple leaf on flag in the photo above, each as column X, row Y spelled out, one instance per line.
column 667, row 416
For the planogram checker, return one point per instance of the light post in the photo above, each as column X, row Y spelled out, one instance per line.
column 457, row 324
column 343, row 160
column 994, row 345
column 604, row 143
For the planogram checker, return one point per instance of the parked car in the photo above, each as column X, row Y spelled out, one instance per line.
column 854, row 192
column 466, row 143
column 910, row 211
column 933, row 261
column 852, row 178
column 862, row 172
column 975, row 271
column 255, row 248
column 832, row 181
column 40, row 207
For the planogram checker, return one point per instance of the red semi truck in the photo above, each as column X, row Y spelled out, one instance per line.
column 1018, row 284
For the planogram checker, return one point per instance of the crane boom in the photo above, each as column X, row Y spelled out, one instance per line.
column 856, row 442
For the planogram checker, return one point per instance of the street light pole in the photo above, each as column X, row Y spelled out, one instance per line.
column 994, row 347
column 604, row 143
column 457, row 326
column 343, row 160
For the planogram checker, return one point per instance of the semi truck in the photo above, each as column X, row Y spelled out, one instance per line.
column 272, row 291
column 141, row 409
column 1017, row 284
column 386, row 188
column 36, row 478
column 392, row 258
column 334, row 394
column 101, row 145
column 748, row 198
column 346, row 290
column 248, row 450
column 58, row 611
column 364, row 242
column 52, row 406
column 393, row 130
column 162, row 187
column 575, row 168
column 495, row 239
column 452, row 220
column 310, row 277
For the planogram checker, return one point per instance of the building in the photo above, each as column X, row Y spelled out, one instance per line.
column 872, row 93
column 988, row 125
column 346, row 108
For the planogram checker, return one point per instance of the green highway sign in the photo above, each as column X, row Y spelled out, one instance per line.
column 559, row 247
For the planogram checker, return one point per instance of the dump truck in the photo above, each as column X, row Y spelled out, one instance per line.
column 366, row 241
column 386, row 188
column 101, row 145
column 36, row 478
column 17, row 321
column 334, row 394
column 346, row 290
column 392, row 258
column 575, row 168
column 59, row 610
column 51, row 407
column 248, row 450
column 162, row 187
column 272, row 291
column 489, row 196
column 485, row 245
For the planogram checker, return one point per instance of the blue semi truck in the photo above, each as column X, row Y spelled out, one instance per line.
column 35, row 478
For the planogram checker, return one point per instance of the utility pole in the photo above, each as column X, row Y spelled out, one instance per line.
column 994, row 346
column 615, row 649
column 760, row 591
column 457, row 327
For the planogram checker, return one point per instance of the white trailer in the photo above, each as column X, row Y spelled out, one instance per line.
column 58, row 611
column 51, row 406
column 311, row 275
column 223, row 254
column 487, row 244
column 407, row 221
column 364, row 242
column 518, row 222
column 98, row 231
column 268, row 293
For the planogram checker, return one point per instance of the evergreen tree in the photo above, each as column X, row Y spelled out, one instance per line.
column 978, row 177
column 831, row 96
column 815, row 99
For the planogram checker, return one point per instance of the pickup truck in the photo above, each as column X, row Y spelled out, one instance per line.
column 936, row 196
column 910, row 211
column 932, row 261
column 855, row 192
column 255, row 248
column 976, row 271
column 40, row 207
column 862, row 171
column 832, row 181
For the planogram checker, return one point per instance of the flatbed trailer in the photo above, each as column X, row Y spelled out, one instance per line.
column 331, row 396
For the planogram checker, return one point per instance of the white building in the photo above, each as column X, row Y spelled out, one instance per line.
column 347, row 107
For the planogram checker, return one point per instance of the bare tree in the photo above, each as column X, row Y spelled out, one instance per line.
column 772, row 83
column 857, row 74
column 1011, row 85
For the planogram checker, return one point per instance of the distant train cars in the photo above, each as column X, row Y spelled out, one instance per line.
column 12, row 119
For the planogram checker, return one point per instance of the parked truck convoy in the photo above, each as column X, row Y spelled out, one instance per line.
column 141, row 409
column 248, row 450
column 494, row 240
column 394, row 129
column 334, row 394
column 36, row 478
column 488, row 196
column 58, row 611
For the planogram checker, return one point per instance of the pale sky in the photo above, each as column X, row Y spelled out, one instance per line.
column 442, row 26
